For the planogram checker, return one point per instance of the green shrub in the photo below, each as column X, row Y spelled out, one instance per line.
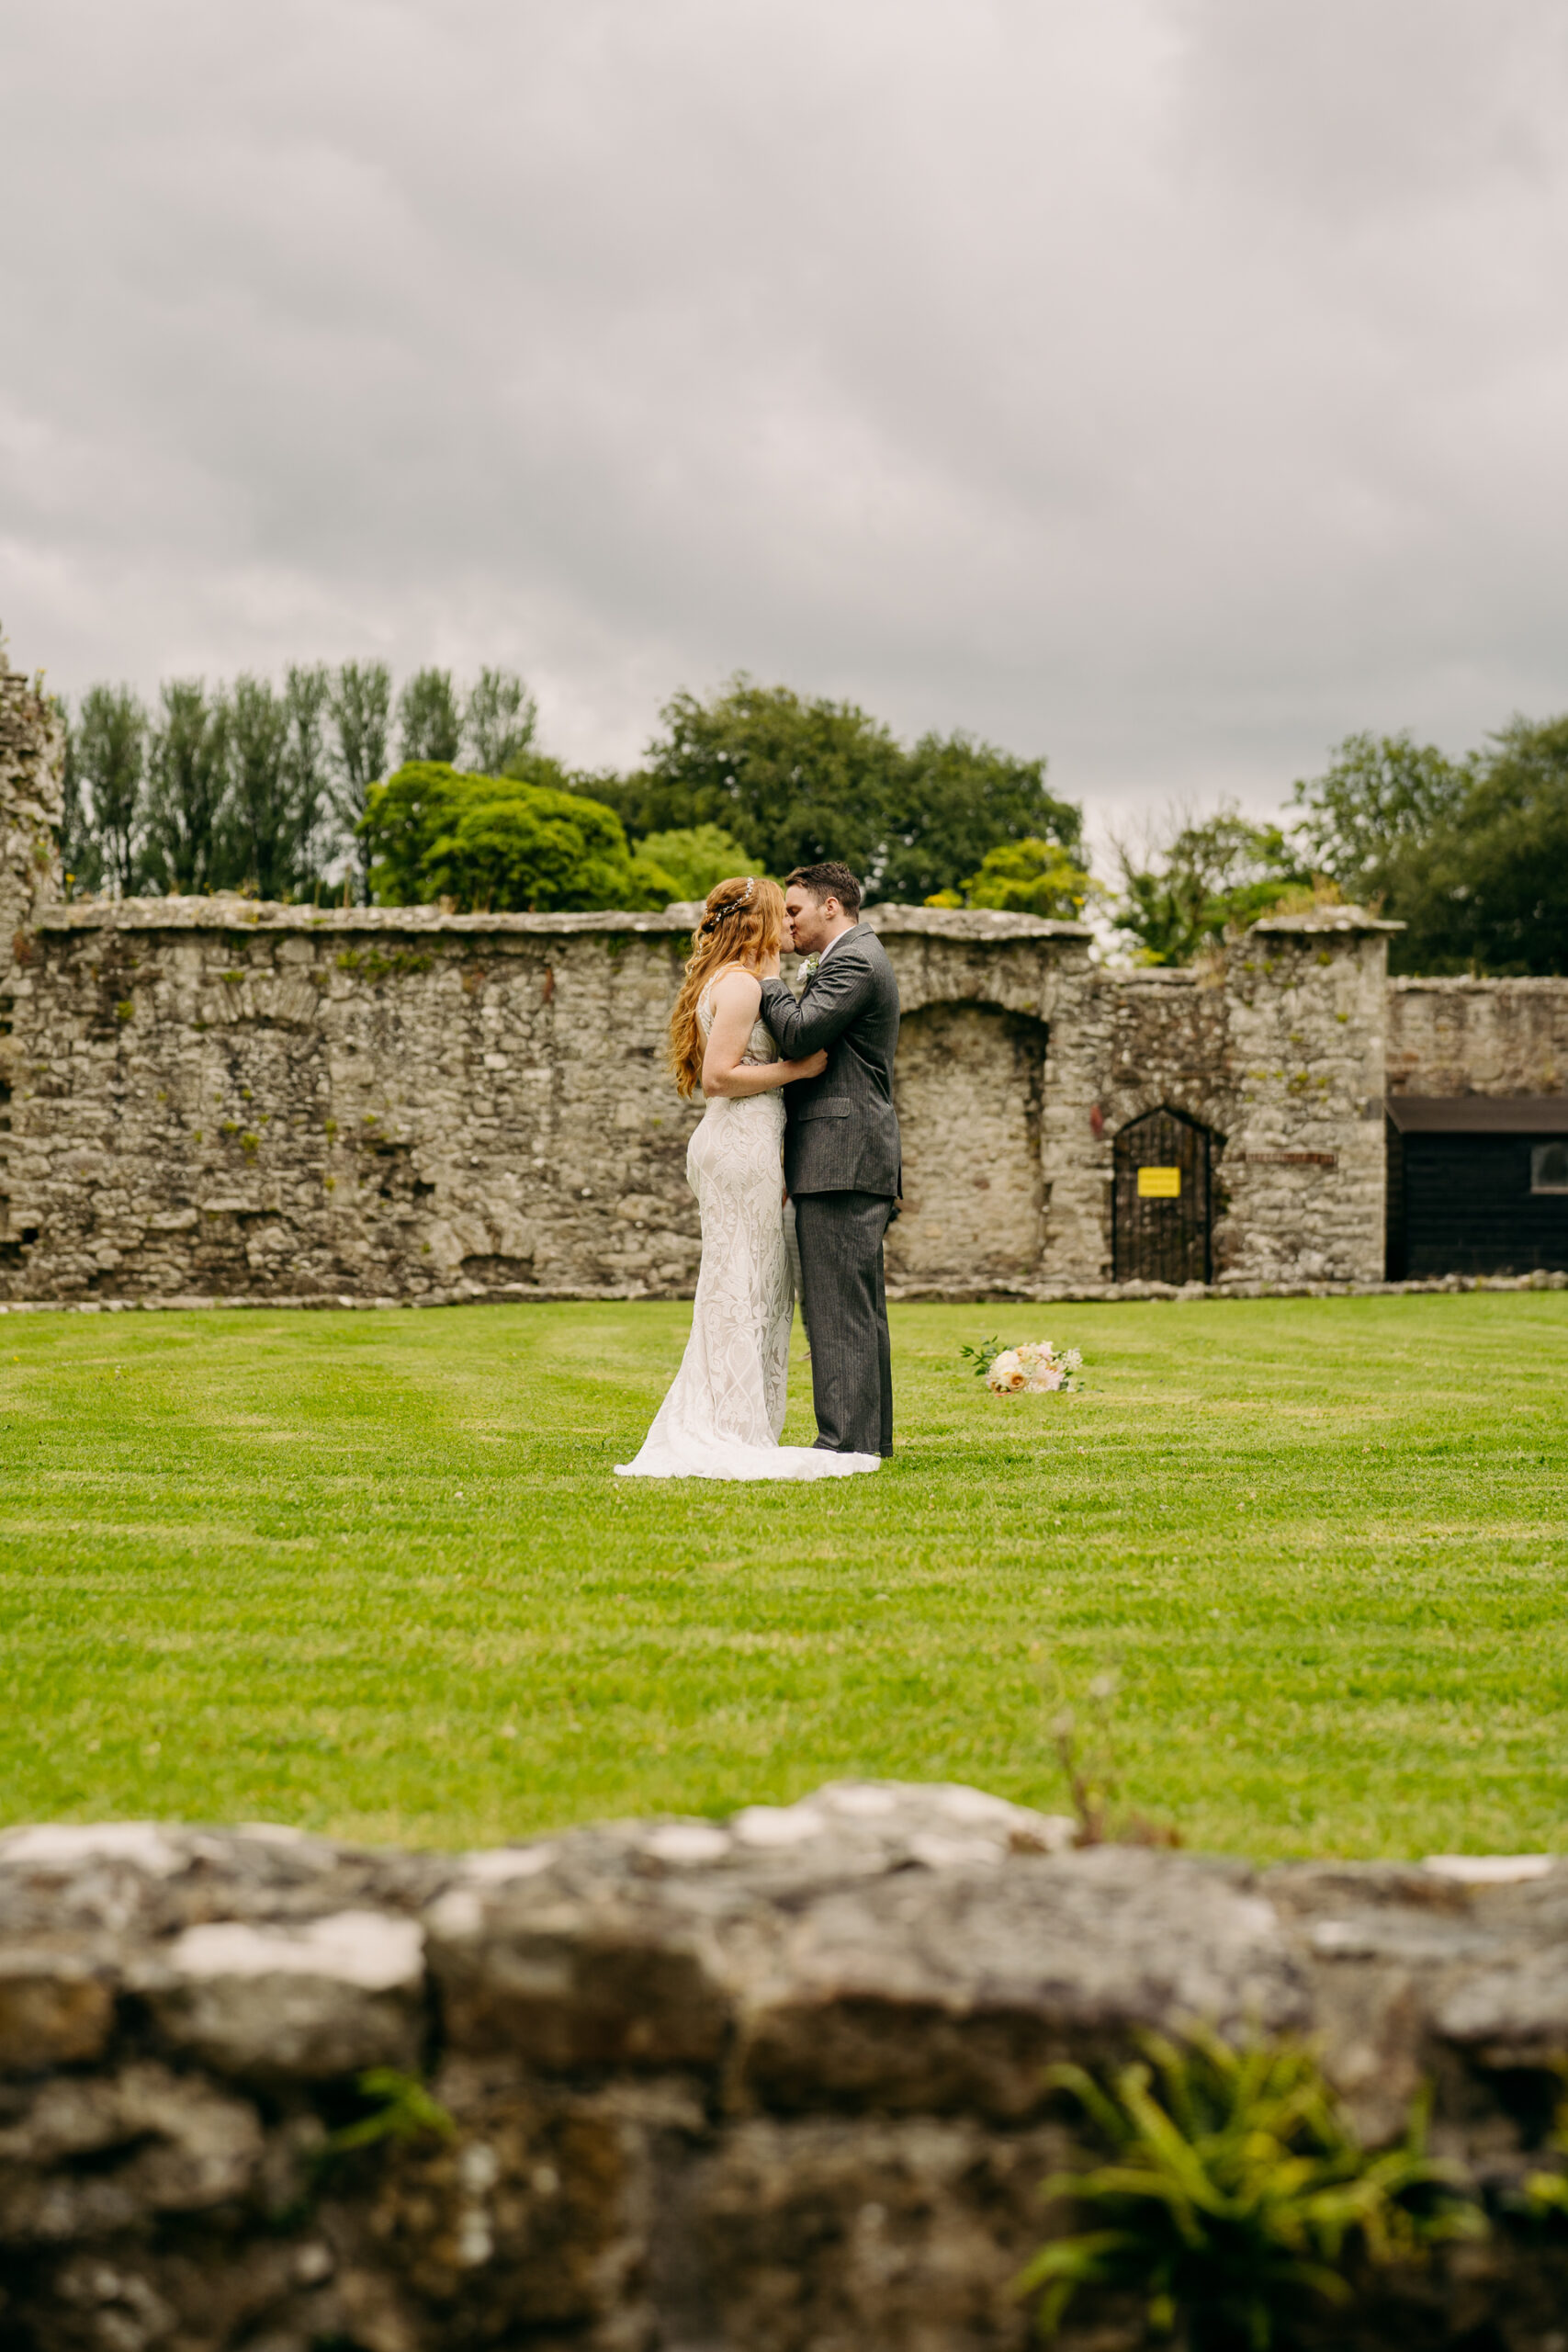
column 1236, row 2191
column 694, row 857
column 496, row 843
column 1030, row 878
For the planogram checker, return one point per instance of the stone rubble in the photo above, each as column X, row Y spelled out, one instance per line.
column 775, row 2084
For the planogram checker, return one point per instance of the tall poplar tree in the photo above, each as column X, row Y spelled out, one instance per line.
column 360, row 703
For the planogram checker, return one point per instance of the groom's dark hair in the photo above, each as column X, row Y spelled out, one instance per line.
column 830, row 881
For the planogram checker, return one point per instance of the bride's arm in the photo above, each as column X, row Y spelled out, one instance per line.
column 735, row 1002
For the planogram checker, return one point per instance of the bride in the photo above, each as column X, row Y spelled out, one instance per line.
column 722, row 1416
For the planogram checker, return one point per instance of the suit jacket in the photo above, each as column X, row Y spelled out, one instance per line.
column 841, row 1131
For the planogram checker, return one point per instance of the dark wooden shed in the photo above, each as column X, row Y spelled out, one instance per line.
column 1477, row 1185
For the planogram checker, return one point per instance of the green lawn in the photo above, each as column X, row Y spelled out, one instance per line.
column 370, row 1572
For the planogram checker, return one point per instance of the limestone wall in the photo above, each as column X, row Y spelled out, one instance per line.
column 210, row 1098
column 1303, row 1166
column 1447, row 1037
column 32, row 751
column 772, row 2084
column 1278, row 1048
column 217, row 1099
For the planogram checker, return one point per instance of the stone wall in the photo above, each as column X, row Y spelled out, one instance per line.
column 773, row 2085
column 32, row 751
column 1450, row 1037
column 1276, row 1047
column 214, row 1099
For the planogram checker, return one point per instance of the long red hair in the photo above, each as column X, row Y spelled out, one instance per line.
column 742, row 923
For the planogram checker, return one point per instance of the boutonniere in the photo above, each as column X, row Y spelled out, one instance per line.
column 808, row 964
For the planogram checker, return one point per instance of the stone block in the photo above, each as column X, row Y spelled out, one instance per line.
column 57, row 2008
column 324, row 1998
column 89, row 2157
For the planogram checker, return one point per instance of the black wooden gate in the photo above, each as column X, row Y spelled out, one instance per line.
column 1160, row 1205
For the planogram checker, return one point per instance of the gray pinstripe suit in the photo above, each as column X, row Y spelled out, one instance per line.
column 842, row 1167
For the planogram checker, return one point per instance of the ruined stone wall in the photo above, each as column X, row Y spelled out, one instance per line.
column 32, row 752
column 1304, row 1159
column 31, row 756
column 777, row 2084
column 215, row 1099
column 1278, row 1048
column 220, row 1099
column 1448, row 1037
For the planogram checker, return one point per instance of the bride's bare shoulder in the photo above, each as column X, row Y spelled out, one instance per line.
column 736, row 986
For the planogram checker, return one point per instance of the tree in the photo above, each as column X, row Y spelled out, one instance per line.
column 694, row 857
column 1378, row 794
column 804, row 780
column 187, row 787
column 256, row 837
column 498, row 720
column 111, row 758
column 430, row 724
column 307, row 697
column 1485, row 890
column 360, row 703
column 1214, row 876
column 278, row 782
column 79, row 856
column 1028, row 877
column 491, row 844
column 800, row 781
column 954, row 801
column 105, row 791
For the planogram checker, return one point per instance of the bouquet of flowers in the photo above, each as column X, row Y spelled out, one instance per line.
column 1030, row 1370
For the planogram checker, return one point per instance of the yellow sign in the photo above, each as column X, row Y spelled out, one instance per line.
column 1159, row 1184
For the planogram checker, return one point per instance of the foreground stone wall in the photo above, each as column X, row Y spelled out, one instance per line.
column 775, row 2084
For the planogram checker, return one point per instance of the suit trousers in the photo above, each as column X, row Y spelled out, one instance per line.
column 844, row 1302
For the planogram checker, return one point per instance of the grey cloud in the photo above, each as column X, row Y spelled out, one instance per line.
column 1168, row 385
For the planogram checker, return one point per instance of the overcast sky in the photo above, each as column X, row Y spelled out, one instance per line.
column 1167, row 386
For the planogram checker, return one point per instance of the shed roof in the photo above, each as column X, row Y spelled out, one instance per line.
column 1479, row 1115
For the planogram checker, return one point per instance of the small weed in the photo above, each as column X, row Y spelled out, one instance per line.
column 1085, row 1750
column 403, row 2109
column 1237, row 2190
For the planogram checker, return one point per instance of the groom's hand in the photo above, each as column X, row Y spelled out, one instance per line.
column 840, row 992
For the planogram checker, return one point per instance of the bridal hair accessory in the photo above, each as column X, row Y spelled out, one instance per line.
column 731, row 906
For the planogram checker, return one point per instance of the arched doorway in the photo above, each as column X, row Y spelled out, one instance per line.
column 1160, row 1209
column 968, row 1092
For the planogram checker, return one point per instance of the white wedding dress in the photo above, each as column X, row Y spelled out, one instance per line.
column 724, row 1413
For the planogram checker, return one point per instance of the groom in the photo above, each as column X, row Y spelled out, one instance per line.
column 841, row 1154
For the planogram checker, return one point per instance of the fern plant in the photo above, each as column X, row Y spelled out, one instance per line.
column 404, row 2110
column 1237, row 2188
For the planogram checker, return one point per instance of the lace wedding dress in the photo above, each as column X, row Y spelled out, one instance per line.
column 723, row 1415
